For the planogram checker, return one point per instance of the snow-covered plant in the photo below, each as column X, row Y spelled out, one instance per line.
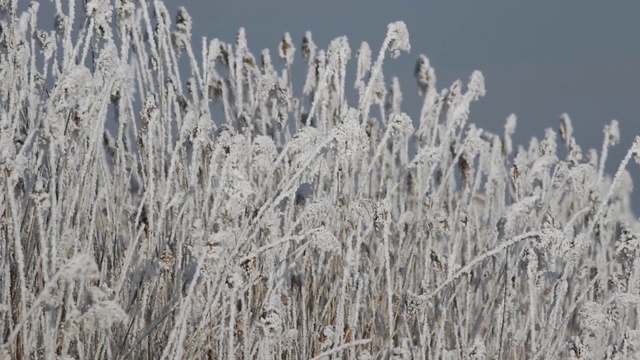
column 160, row 204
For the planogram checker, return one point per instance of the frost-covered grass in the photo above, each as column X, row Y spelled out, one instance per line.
column 149, row 212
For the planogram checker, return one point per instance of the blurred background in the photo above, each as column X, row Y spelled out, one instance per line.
column 539, row 58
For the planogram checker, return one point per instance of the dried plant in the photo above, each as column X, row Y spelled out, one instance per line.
column 148, row 212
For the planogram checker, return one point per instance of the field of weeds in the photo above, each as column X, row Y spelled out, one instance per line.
column 157, row 203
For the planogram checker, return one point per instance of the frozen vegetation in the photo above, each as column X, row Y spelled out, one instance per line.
column 162, row 204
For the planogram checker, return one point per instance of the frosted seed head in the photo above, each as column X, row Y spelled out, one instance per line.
column 636, row 149
column 214, row 50
column 167, row 260
column 382, row 212
column 612, row 132
column 566, row 128
column 402, row 123
column 150, row 107
column 350, row 139
column 548, row 146
column 425, row 75
column 364, row 65
column 47, row 42
column 395, row 96
column 474, row 143
column 265, row 85
column 476, row 85
column 510, row 126
column 411, row 303
column 325, row 241
column 364, row 57
column 264, row 153
column 100, row 11
column 379, row 90
column 108, row 58
column 454, row 92
column 398, row 38
column 592, row 157
column 241, row 40
column 184, row 23
column 308, row 48
column 628, row 243
column 271, row 320
column 305, row 139
column 235, row 280
column 224, row 53
column 286, row 50
column 509, row 130
column 125, row 8
column 575, row 154
column 339, row 50
column 326, row 338
column 427, row 155
column 97, row 8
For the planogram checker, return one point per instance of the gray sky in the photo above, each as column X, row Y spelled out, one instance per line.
column 539, row 58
